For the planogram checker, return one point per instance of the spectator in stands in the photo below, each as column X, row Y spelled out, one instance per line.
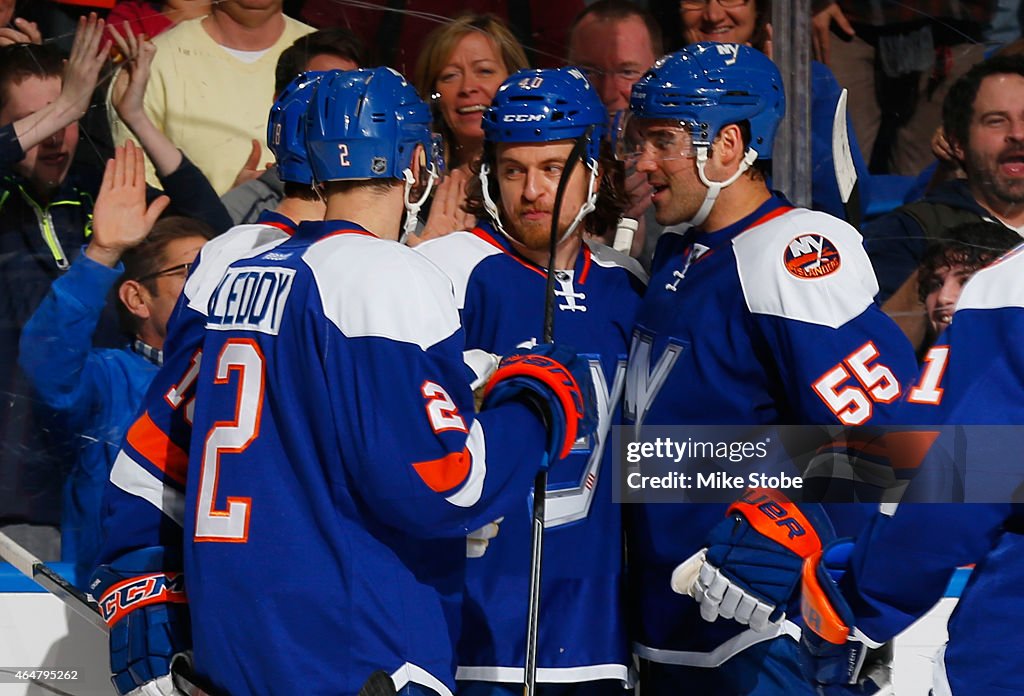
column 46, row 204
column 949, row 263
column 97, row 391
column 326, row 49
column 212, row 80
column 399, row 39
column 747, row 22
column 461, row 66
column 615, row 42
column 898, row 60
column 985, row 130
column 151, row 17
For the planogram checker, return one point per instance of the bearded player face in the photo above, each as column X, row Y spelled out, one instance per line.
column 528, row 176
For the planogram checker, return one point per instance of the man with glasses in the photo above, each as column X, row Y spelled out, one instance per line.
column 614, row 42
column 760, row 313
column 96, row 391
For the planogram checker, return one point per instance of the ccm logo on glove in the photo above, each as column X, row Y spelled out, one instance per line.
column 138, row 592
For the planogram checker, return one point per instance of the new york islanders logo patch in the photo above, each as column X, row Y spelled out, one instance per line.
column 811, row 256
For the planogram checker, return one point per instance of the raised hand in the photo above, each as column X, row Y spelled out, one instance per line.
column 446, row 213
column 130, row 87
column 81, row 72
column 821, row 29
column 251, row 169
column 23, row 31
column 121, row 218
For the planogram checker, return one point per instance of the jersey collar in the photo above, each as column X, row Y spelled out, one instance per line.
column 276, row 219
column 486, row 232
column 321, row 229
column 772, row 208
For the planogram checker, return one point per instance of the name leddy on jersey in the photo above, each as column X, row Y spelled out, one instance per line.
column 811, row 256
column 250, row 299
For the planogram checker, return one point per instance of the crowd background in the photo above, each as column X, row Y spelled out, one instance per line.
column 205, row 85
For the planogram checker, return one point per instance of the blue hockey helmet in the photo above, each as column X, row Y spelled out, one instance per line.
column 710, row 85
column 286, row 128
column 539, row 106
column 366, row 124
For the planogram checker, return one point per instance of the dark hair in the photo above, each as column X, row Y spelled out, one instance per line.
column 148, row 257
column 377, row 186
column 21, row 61
column 619, row 10
column 972, row 244
column 762, row 18
column 958, row 108
column 336, row 41
column 611, row 196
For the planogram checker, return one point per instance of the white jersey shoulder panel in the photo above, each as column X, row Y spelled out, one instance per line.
column 239, row 242
column 607, row 257
column 807, row 266
column 999, row 285
column 375, row 287
column 458, row 254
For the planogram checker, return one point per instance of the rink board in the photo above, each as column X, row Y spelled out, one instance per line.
column 38, row 631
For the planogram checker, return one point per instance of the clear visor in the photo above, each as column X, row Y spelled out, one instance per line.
column 660, row 139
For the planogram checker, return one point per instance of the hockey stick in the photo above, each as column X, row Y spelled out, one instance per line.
column 842, row 160
column 47, row 578
column 540, row 483
column 79, row 602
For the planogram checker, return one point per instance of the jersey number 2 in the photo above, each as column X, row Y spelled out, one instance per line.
column 243, row 357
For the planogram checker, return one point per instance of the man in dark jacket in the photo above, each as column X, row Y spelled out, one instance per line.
column 985, row 127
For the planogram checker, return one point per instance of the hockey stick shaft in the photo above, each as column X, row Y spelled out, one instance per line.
column 842, row 161
column 51, row 581
column 540, row 483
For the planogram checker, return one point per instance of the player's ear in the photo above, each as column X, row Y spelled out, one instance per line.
column 729, row 144
column 419, row 162
column 420, row 171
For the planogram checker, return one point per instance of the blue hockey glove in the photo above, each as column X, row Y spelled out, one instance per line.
column 753, row 560
column 147, row 611
column 832, row 651
column 556, row 382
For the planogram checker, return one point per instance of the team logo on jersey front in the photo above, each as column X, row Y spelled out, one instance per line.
column 811, row 256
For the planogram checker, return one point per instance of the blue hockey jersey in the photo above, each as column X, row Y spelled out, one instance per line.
column 582, row 629
column 768, row 321
column 336, row 467
column 144, row 501
column 902, row 563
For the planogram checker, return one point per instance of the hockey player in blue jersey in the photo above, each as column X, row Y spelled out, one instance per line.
column 499, row 270
column 858, row 594
column 760, row 313
column 322, row 476
column 144, row 505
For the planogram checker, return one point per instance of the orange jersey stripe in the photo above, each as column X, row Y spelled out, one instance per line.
column 153, row 443
column 445, row 473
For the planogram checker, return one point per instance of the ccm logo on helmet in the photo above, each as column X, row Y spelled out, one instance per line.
column 522, row 118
